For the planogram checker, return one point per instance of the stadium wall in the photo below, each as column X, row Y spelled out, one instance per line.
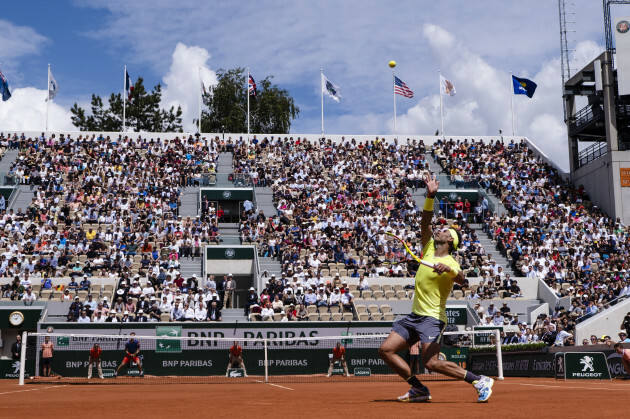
column 337, row 138
column 604, row 323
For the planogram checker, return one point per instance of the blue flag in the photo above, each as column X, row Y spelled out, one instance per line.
column 523, row 86
column 4, row 88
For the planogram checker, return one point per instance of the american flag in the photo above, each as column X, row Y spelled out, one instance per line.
column 251, row 86
column 400, row 88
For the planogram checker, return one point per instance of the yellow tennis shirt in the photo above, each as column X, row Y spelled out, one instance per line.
column 431, row 289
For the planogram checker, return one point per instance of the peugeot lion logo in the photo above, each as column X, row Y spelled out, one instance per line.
column 587, row 361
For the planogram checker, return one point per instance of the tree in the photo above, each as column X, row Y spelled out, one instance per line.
column 143, row 113
column 271, row 110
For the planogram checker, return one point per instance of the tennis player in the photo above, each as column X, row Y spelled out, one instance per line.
column 132, row 349
column 95, row 359
column 625, row 358
column 428, row 318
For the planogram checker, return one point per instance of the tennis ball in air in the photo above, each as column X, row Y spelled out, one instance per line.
column 392, row 64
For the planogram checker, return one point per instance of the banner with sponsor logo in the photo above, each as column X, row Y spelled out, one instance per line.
column 515, row 364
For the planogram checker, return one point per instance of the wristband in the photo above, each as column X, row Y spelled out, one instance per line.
column 453, row 272
column 428, row 204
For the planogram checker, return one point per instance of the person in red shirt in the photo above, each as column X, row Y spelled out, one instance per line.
column 95, row 359
column 339, row 355
column 236, row 358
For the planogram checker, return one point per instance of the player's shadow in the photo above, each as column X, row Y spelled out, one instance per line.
column 427, row 402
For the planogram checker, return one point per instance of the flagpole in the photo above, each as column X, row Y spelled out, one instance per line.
column 48, row 96
column 200, row 93
column 248, row 103
column 321, row 82
column 124, row 97
column 512, row 100
column 394, row 92
column 441, row 112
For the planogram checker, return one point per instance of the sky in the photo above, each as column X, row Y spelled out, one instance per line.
column 474, row 44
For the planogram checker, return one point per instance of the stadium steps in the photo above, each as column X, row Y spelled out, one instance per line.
column 190, row 266
column 491, row 249
column 24, row 197
column 233, row 315
column 271, row 265
column 264, row 201
column 189, row 201
column 7, row 160
column 229, row 234
column 225, row 163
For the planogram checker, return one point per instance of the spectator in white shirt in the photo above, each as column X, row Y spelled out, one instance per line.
column 335, row 298
column 267, row 312
column 29, row 295
column 177, row 314
column 200, row 313
column 148, row 290
column 98, row 317
column 83, row 318
column 363, row 283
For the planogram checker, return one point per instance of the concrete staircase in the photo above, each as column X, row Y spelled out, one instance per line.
column 225, row 163
column 264, row 201
column 189, row 201
column 24, row 197
column 491, row 249
column 229, row 234
column 233, row 315
column 190, row 266
column 7, row 160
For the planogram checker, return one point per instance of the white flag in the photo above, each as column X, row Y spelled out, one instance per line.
column 53, row 87
column 206, row 95
column 333, row 90
column 446, row 87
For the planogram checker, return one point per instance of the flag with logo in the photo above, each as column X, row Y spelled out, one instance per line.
column 4, row 88
column 446, row 87
column 128, row 86
column 53, row 86
column 251, row 86
column 206, row 95
column 331, row 89
column 523, row 86
column 400, row 88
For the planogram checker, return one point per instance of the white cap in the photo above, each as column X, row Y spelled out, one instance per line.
column 126, row 312
column 140, row 311
column 194, row 275
column 282, row 312
column 252, row 289
column 229, row 274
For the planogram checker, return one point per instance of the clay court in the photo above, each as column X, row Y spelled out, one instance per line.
column 513, row 398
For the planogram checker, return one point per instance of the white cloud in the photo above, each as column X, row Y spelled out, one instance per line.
column 16, row 42
column 482, row 104
column 182, row 86
column 26, row 111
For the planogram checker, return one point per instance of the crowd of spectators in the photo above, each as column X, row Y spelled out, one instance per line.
column 550, row 229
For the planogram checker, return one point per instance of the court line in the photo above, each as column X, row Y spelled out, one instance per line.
column 560, row 386
column 32, row 389
column 276, row 385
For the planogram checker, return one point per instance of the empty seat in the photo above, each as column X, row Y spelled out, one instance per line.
column 389, row 294
column 386, row 287
column 348, row 317
column 254, row 317
column 311, row 309
column 401, row 294
column 336, row 317
column 367, row 295
column 377, row 294
column 46, row 294
column 375, row 287
column 372, row 308
column 398, row 287
column 385, row 308
column 388, row 316
column 361, row 309
column 313, row 317
column 277, row 317
column 458, row 294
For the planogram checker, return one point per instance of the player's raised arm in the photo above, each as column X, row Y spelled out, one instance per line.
column 427, row 211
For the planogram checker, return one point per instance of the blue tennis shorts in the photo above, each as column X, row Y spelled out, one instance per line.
column 424, row 329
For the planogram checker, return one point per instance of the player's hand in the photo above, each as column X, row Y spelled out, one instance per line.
column 440, row 268
column 432, row 184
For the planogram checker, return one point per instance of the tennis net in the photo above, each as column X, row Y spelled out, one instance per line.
column 175, row 359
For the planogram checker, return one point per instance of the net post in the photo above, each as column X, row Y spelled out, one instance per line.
column 23, row 358
column 497, row 335
column 265, row 341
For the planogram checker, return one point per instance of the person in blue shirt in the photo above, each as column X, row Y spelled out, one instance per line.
column 132, row 349
column 85, row 284
column 73, row 284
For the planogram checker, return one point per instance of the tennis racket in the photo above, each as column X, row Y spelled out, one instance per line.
column 389, row 249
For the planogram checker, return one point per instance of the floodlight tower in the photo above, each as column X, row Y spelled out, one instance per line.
column 565, row 51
